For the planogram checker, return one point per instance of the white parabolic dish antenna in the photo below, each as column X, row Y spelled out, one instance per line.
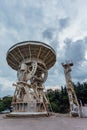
column 31, row 60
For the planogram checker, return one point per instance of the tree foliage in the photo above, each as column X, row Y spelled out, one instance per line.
column 59, row 99
column 5, row 103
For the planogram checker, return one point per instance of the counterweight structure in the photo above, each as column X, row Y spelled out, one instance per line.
column 31, row 60
column 74, row 105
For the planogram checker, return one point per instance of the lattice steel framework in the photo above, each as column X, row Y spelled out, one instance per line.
column 74, row 105
column 31, row 60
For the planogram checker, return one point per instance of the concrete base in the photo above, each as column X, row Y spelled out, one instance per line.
column 83, row 111
column 27, row 114
column 74, row 114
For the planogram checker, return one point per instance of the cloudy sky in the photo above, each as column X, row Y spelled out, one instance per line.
column 59, row 23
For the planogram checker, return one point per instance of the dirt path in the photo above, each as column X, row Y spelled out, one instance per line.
column 43, row 123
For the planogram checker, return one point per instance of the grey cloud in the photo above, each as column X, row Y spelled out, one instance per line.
column 75, row 50
column 51, row 34
column 85, row 39
column 48, row 33
column 68, row 41
column 79, row 72
column 63, row 23
column 5, row 92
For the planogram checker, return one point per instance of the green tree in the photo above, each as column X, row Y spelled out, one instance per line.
column 5, row 103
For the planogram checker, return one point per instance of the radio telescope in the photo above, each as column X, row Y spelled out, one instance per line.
column 31, row 60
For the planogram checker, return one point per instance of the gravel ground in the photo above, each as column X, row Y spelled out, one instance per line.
column 56, row 122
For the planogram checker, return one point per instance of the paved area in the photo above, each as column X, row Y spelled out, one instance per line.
column 43, row 123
